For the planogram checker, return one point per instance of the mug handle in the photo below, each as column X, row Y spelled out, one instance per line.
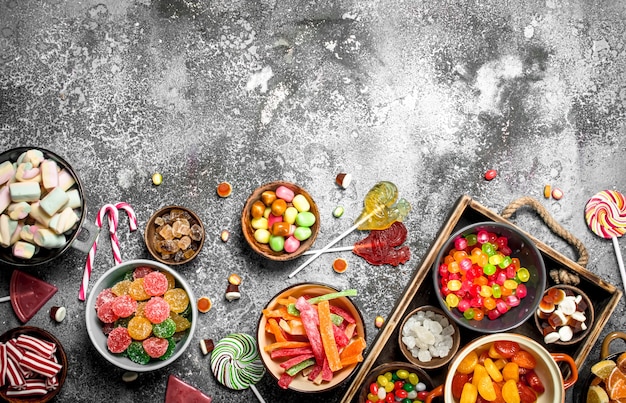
column 93, row 231
column 604, row 351
column 438, row 391
column 569, row 382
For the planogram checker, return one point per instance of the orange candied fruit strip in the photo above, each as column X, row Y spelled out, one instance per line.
column 279, row 313
column 286, row 344
column 273, row 327
column 328, row 337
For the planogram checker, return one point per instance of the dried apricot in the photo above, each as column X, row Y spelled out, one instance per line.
column 510, row 372
column 492, row 370
column 483, row 383
column 510, row 392
column 524, row 359
column 467, row 364
column 469, row 393
column 506, row 348
column 458, row 381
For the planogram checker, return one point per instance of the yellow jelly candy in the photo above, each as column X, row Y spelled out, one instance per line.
column 469, row 393
column 139, row 328
column 177, row 298
column 483, row 383
column 171, row 281
column 121, row 287
column 140, row 307
column 492, row 370
column 467, row 365
column 136, row 290
column 181, row 322
column 510, row 393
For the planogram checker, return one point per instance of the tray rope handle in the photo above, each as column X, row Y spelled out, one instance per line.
column 508, row 211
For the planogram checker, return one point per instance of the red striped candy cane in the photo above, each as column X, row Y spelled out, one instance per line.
column 112, row 214
column 111, row 211
column 132, row 218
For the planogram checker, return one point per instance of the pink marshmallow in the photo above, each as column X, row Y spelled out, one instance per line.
column 23, row 250
column 5, row 197
column 18, row 211
column 49, row 174
column 66, row 180
column 34, row 156
column 7, row 170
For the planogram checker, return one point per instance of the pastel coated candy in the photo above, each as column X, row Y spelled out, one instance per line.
column 66, row 180
column 37, row 214
column 301, row 203
column 283, row 192
column 291, row 244
column 63, row 221
column 7, row 228
column 34, row 156
column 27, row 172
column 6, row 172
column 305, row 219
column 382, row 207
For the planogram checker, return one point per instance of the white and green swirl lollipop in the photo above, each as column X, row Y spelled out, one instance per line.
column 236, row 363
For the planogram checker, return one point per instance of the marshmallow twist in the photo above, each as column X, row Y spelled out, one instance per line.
column 605, row 214
column 236, row 362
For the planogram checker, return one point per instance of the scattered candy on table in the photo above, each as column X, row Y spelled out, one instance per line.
column 491, row 174
column 338, row 211
column 225, row 235
column 157, row 178
column 224, row 189
column 340, row 265
column 204, row 304
column 557, row 194
column 343, row 180
column 379, row 321
column 58, row 313
column 206, row 346
column 232, row 292
column 547, row 191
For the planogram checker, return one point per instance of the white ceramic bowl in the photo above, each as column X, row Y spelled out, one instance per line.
column 94, row 325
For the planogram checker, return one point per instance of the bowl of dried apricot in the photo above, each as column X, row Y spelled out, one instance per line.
column 174, row 235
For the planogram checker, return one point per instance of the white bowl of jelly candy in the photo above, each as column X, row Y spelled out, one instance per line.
column 490, row 277
column 395, row 382
column 280, row 221
column 141, row 316
column 298, row 362
column 174, row 235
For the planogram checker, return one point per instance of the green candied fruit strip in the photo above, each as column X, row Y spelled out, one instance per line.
column 170, row 349
column 326, row 297
column 300, row 366
column 292, row 310
column 137, row 354
column 336, row 319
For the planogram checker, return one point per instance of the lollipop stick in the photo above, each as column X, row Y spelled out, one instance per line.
column 620, row 261
column 338, row 249
column 334, row 241
column 5, row 299
column 258, row 395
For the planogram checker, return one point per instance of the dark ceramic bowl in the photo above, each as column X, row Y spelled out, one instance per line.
column 523, row 248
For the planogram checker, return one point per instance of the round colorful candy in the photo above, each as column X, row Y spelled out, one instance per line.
column 136, row 353
column 105, row 312
column 118, row 340
column 165, row 329
column 139, row 328
column 155, row 347
column 171, row 346
column 155, row 283
column 141, row 271
column 124, row 306
column 156, row 310
column 177, row 299
column 605, row 214
column 105, row 295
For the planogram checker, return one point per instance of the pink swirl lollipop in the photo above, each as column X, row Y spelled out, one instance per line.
column 605, row 214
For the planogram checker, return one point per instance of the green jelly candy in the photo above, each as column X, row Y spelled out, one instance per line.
column 305, row 219
column 277, row 243
column 302, row 233
column 165, row 329
column 123, row 322
column 137, row 354
column 170, row 349
column 471, row 239
column 128, row 275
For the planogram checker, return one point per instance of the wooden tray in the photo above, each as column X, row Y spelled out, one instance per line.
column 420, row 291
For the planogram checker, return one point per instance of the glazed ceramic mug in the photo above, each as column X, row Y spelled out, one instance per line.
column 546, row 369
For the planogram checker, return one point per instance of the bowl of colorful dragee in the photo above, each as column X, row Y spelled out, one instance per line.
column 396, row 381
column 311, row 337
column 280, row 221
column 140, row 315
column 174, row 235
column 490, row 277
column 33, row 365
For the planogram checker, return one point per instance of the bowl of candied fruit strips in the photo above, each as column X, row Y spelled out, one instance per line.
column 506, row 367
column 280, row 221
column 140, row 315
column 489, row 277
column 174, row 235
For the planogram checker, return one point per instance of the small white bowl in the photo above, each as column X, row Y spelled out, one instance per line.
column 94, row 325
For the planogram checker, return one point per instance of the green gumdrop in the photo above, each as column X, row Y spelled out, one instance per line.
column 305, row 219
column 302, row 233
column 277, row 243
column 165, row 329
column 137, row 354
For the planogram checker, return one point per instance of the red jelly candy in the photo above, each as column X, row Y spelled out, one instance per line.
column 155, row 346
column 106, row 314
column 491, row 174
column 156, row 310
column 155, row 283
column 118, row 340
column 141, row 271
column 104, row 296
column 123, row 306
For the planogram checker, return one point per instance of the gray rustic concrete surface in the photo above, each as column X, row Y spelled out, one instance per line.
column 426, row 94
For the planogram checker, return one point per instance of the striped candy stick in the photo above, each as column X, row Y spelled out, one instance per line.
column 112, row 214
column 104, row 210
column 132, row 217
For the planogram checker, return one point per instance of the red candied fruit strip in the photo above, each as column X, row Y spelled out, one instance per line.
column 290, row 352
column 155, row 283
column 124, row 306
column 285, row 380
column 295, row 360
column 155, row 346
column 106, row 314
column 118, row 340
column 156, row 310
column 343, row 313
column 141, row 271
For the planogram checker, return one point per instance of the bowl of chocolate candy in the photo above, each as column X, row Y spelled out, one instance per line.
column 280, row 221
column 565, row 315
column 174, row 235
